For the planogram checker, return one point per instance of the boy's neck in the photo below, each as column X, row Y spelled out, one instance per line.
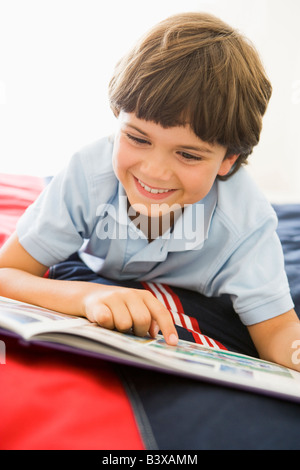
column 154, row 227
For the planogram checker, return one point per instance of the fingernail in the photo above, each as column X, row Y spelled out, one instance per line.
column 173, row 339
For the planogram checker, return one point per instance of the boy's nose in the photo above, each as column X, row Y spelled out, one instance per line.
column 158, row 166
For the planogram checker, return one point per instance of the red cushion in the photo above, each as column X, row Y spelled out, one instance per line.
column 16, row 193
column 50, row 399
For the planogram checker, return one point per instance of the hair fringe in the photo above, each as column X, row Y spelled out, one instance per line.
column 193, row 68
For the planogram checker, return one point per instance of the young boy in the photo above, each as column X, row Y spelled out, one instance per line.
column 167, row 199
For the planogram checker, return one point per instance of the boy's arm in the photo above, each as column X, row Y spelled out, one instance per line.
column 21, row 278
column 277, row 339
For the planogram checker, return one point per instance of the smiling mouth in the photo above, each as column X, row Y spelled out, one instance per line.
column 153, row 190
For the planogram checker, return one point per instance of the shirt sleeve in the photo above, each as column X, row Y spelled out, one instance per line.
column 254, row 276
column 55, row 225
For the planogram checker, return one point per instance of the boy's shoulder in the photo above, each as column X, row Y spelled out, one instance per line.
column 90, row 170
column 95, row 159
column 242, row 204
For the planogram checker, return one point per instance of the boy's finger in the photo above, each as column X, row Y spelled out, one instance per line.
column 164, row 320
column 141, row 317
column 102, row 315
column 121, row 313
column 154, row 329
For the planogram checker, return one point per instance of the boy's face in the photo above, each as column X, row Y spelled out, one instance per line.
column 163, row 167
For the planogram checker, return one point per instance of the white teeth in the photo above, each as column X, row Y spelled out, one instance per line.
column 151, row 190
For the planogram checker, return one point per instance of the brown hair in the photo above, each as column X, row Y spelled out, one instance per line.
column 194, row 68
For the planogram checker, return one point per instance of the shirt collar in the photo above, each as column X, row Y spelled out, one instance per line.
column 190, row 229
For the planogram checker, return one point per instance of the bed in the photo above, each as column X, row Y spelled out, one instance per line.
column 54, row 400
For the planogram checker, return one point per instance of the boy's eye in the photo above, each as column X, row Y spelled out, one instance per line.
column 188, row 156
column 137, row 140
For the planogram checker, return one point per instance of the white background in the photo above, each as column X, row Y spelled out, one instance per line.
column 57, row 56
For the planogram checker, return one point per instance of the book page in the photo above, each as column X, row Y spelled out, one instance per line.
column 188, row 359
column 27, row 320
column 195, row 360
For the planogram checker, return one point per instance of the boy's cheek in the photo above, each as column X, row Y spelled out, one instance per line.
column 124, row 158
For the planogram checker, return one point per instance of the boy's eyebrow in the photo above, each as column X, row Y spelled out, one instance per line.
column 137, row 129
column 197, row 149
column 187, row 147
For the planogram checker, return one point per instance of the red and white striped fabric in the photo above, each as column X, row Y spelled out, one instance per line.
column 172, row 302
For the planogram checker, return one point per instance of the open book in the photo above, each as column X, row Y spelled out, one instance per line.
column 38, row 325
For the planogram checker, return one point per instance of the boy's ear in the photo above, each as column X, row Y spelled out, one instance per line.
column 227, row 164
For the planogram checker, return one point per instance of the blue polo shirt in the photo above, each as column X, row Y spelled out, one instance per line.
column 223, row 244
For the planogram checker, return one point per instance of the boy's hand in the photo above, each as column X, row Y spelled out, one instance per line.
column 125, row 308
